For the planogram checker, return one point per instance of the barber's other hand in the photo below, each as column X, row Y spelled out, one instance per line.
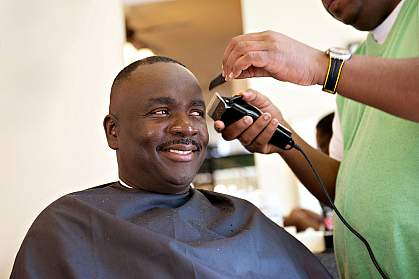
column 272, row 54
column 254, row 136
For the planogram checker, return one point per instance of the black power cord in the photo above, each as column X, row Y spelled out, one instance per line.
column 232, row 109
column 357, row 234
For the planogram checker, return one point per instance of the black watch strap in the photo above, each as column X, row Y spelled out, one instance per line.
column 333, row 74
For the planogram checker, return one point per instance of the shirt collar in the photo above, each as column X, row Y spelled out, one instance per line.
column 125, row 184
column 381, row 31
column 130, row 187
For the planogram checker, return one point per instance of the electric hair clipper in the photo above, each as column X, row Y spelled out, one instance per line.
column 229, row 110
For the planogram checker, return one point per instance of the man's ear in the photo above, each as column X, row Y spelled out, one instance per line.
column 110, row 123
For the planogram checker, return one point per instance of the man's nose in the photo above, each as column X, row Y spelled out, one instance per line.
column 183, row 126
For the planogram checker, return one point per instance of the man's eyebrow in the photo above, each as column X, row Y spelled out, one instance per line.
column 197, row 103
column 159, row 101
column 172, row 101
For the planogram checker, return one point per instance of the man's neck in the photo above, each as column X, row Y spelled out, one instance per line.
column 381, row 32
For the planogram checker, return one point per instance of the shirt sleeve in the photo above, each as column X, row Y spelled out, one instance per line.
column 336, row 142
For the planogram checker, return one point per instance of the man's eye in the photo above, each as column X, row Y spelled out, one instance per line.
column 198, row 113
column 160, row 112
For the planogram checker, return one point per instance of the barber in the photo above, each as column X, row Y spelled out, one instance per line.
column 373, row 168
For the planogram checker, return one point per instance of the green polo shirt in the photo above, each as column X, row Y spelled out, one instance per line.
column 377, row 187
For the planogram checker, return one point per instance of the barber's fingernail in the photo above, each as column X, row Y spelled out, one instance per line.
column 230, row 75
column 275, row 122
column 266, row 116
column 248, row 93
column 248, row 120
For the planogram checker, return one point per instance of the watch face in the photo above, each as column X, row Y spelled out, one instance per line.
column 340, row 53
column 339, row 50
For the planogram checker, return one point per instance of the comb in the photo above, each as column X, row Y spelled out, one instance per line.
column 217, row 81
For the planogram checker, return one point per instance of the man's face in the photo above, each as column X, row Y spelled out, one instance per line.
column 364, row 15
column 162, row 133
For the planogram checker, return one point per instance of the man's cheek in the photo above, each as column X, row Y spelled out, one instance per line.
column 149, row 133
column 151, row 139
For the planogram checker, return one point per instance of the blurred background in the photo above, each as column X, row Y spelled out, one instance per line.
column 57, row 63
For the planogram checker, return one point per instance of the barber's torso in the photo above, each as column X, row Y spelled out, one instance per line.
column 378, row 182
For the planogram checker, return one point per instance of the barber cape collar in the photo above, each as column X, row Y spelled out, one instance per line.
column 125, row 184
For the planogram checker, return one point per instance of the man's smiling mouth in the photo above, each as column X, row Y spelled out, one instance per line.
column 179, row 145
column 179, row 153
column 181, row 150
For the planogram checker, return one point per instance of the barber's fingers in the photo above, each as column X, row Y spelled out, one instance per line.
column 261, row 142
column 248, row 136
column 219, row 125
column 258, row 60
column 260, row 101
column 245, row 55
column 251, row 72
column 241, row 38
column 242, row 42
column 235, row 129
column 255, row 137
column 255, row 98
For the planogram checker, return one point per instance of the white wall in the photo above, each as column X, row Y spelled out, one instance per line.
column 58, row 59
column 308, row 22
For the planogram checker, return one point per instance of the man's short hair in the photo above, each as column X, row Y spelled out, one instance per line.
column 125, row 72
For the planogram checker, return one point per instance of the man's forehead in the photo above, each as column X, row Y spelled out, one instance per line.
column 158, row 82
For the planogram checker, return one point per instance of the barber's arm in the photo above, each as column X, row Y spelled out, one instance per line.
column 391, row 85
column 255, row 137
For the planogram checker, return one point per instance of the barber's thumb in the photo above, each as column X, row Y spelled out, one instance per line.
column 219, row 126
column 255, row 98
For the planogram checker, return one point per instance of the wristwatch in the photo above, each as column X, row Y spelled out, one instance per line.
column 337, row 57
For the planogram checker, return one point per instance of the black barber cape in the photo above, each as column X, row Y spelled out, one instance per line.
column 114, row 232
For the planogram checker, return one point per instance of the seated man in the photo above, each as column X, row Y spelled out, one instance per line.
column 152, row 224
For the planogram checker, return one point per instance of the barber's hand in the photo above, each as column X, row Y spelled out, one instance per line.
column 271, row 54
column 254, row 136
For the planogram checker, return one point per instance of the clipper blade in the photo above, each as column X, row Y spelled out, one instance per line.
column 216, row 107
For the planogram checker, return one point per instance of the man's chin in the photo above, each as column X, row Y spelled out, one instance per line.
column 183, row 181
column 347, row 19
column 177, row 180
column 178, row 174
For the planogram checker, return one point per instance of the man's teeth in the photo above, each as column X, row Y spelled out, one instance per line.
column 182, row 152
